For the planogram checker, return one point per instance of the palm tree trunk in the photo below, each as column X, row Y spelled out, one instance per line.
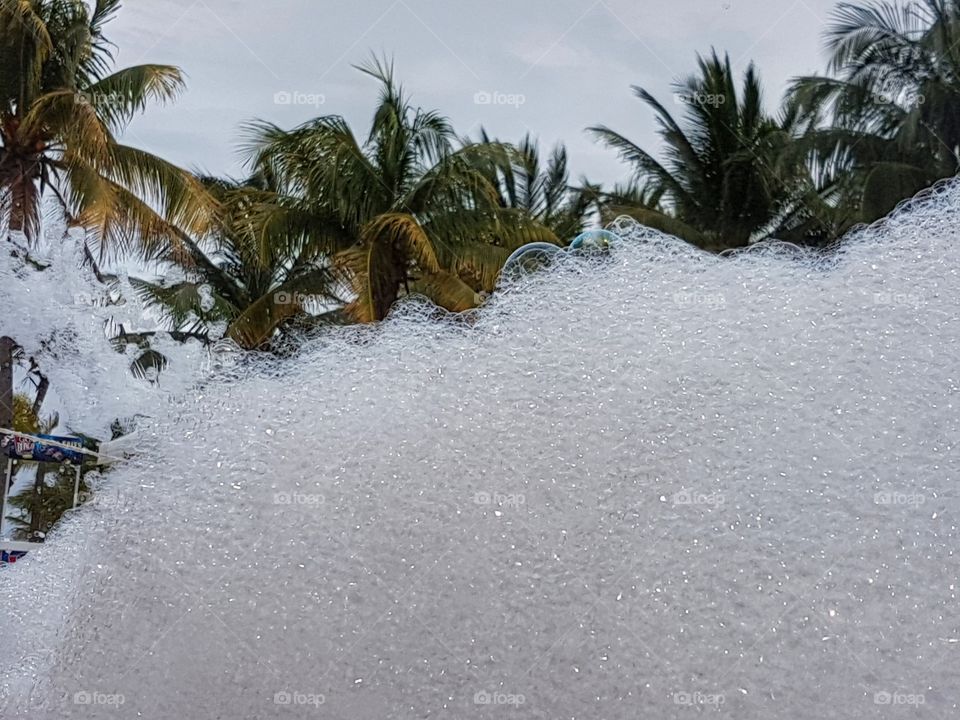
column 6, row 382
column 42, row 387
column 6, row 405
column 36, row 510
column 22, row 177
column 18, row 217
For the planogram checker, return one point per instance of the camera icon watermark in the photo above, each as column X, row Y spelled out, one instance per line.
column 514, row 100
column 295, row 97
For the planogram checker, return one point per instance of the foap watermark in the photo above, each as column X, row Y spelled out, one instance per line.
column 103, row 100
column 298, row 498
column 689, row 497
column 913, row 300
column 514, row 100
column 299, row 699
column 694, row 299
column 149, row 315
column 898, row 698
column 93, row 697
column 698, row 698
column 510, row 500
column 103, row 499
column 700, row 99
column 893, row 93
column 296, row 97
column 291, row 298
column 498, row 698
column 891, row 497
column 91, row 300
column 909, row 98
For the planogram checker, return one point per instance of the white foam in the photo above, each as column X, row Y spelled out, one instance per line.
column 62, row 316
column 641, row 485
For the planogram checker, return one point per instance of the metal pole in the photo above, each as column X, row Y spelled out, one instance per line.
column 76, row 488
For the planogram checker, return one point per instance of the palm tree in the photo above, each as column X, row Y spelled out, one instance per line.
column 402, row 212
column 724, row 183
column 252, row 282
column 890, row 120
column 43, row 504
column 61, row 108
column 542, row 192
column 35, row 501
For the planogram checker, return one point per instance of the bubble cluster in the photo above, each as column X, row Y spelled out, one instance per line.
column 647, row 482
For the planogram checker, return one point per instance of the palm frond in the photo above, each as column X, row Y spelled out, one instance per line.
column 645, row 165
column 117, row 98
column 259, row 321
column 447, row 291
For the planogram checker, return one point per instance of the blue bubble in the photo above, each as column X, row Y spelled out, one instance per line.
column 594, row 241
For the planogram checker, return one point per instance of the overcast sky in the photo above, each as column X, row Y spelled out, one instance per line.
column 551, row 67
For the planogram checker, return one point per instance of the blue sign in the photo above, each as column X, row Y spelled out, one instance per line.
column 19, row 447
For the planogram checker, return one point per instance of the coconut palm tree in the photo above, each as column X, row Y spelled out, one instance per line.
column 247, row 280
column 542, row 191
column 889, row 117
column 407, row 210
column 724, row 182
column 61, row 109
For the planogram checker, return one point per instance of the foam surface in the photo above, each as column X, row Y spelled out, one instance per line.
column 652, row 484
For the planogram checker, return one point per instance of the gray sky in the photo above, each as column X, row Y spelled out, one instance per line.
column 553, row 67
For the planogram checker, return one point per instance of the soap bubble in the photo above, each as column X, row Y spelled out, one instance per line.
column 530, row 258
column 594, row 241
